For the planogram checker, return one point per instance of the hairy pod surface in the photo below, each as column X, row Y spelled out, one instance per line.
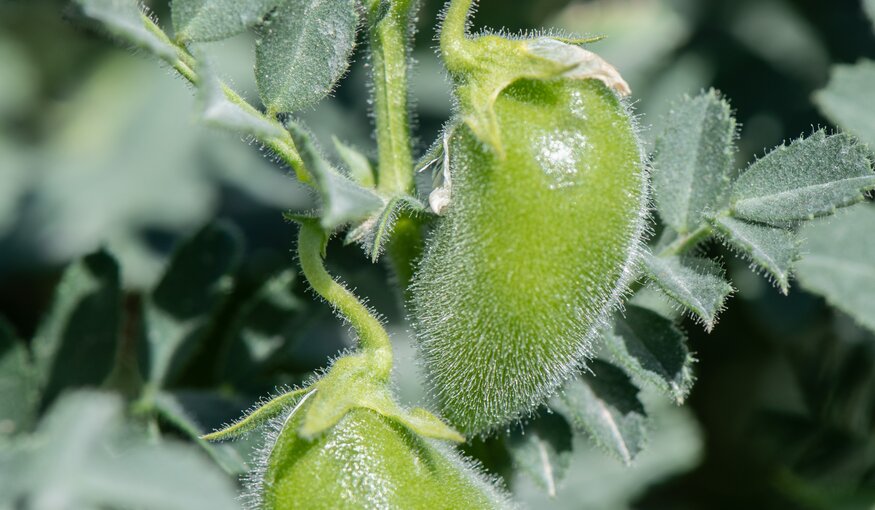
column 535, row 249
column 367, row 461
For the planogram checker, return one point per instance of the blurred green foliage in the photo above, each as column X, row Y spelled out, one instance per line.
column 100, row 154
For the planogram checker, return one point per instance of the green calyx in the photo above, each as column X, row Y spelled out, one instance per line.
column 484, row 66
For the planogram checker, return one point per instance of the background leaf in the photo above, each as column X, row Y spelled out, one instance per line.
column 774, row 250
column 693, row 160
column 195, row 285
column 18, row 396
column 605, row 405
column 839, row 262
column 810, row 177
column 694, row 283
column 124, row 19
column 303, row 51
column 77, row 341
column 848, row 99
column 84, row 456
column 654, row 349
column 211, row 20
column 543, row 451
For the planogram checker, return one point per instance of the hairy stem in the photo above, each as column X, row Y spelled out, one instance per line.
column 686, row 242
column 185, row 64
column 372, row 337
column 390, row 38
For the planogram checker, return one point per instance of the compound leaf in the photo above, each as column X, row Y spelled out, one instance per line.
column 75, row 344
column 303, row 51
column 696, row 284
column 848, row 99
column 374, row 232
column 654, row 349
column 774, row 250
column 810, row 177
column 693, row 160
column 125, row 20
column 605, row 405
column 343, row 201
column 839, row 262
column 180, row 307
column 211, row 20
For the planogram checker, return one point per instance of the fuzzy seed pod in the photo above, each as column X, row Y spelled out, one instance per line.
column 535, row 250
column 366, row 461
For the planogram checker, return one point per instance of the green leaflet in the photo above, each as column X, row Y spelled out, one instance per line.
column 849, row 100
column 218, row 110
column 17, row 383
column 343, row 201
column 696, row 284
column 774, row 250
column 75, row 345
column 543, row 451
column 693, row 161
column 654, row 349
column 839, row 262
column 303, row 51
column 196, row 283
column 359, row 167
column 810, row 177
column 211, row 20
column 605, row 405
column 124, row 19
column 76, row 459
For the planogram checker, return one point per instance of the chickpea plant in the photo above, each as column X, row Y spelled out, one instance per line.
column 534, row 274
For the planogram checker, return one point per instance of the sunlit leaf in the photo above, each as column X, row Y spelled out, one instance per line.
column 693, row 161
column 774, row 250
column 211, row 20
column 694, row 283
column 303, row 51
column 810, row 177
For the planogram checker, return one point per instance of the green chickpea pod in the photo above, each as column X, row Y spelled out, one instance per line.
column 544, row 205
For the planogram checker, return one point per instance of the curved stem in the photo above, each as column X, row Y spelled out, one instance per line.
column 372, row 337
column 686, row 242
column 455, row 45
column 390, row 41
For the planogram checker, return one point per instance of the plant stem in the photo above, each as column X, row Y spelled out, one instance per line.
column 686, row 242
column 372, row 337
column 185, row 64
column 390, row 40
